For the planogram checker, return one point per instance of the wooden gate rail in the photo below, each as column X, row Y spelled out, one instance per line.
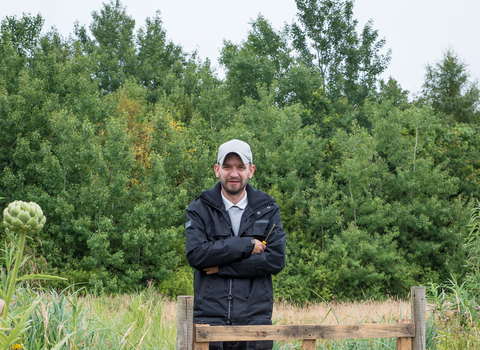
column 205, row 334
column 410, row 336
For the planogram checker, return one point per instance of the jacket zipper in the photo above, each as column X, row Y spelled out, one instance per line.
column 230, row 280
column 230, row 297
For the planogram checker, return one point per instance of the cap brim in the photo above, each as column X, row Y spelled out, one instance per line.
column 245, row 160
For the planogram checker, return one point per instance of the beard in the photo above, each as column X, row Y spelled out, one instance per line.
column 233, row 189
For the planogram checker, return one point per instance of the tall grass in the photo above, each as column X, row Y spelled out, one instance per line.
column 67, row 321
column 145, row 320
column 131, row 322
column 59, row 319
column 455, row 305
column 455, row 315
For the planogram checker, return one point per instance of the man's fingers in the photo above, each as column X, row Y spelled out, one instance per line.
column 211, row 270
column 259, row 247
column 262, row 246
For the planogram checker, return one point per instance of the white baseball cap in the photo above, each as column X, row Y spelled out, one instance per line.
column 235, row 146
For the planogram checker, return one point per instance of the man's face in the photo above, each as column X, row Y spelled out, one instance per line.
column 233, row 174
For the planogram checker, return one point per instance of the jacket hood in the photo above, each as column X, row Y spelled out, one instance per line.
column 256, row 198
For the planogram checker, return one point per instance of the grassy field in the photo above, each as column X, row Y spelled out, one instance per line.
column 342, row 313
column 148, row 321
column 120, row 314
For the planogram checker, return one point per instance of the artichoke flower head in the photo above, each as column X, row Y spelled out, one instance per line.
column 22, row 217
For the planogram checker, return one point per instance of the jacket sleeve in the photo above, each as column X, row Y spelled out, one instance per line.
column 271, row 261
column 203, row 253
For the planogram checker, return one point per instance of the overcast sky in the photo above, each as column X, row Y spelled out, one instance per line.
column 417, row 31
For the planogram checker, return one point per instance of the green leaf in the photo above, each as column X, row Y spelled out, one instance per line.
column 40, row 277
column 63, row 341
column 12, row 238
column 2, row 294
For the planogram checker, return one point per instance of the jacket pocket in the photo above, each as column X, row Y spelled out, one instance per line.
column 258, row 229
column 199, row 284
column 202, row 289
column 261, row 288
column 204, row 285
column 219, row 231
column 249, row 287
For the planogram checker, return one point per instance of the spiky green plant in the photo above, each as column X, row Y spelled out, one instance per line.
column 19, row 219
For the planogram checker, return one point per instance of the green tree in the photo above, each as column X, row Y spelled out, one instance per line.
column 325, row 37
column 458, row 149
column 22, row 33
column 349, row 213
column 393, row 92
column 423, row 195
column 264, row 57
column 19, row 40
column 456, row 100
column 372, row 190
column 112, row 29
column 158, row 58
column 451, row 93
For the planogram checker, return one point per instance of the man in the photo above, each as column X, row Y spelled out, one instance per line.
column 233, row 267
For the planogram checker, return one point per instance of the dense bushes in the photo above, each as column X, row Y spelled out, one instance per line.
column 114, row 141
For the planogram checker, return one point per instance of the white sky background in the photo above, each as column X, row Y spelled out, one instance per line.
column 417, row 31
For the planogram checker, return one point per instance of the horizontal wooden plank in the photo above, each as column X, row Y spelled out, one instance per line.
column 358, row 331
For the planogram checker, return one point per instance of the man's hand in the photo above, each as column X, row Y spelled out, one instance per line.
column 211, row 270
column 259, row 247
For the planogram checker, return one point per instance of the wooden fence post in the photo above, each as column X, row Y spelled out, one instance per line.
column 404, row 343
column 309, row 344
column 200, row 346
column 418, row 316
column 185, row 322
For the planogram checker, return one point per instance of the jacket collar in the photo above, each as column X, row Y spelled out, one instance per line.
column 256, row 199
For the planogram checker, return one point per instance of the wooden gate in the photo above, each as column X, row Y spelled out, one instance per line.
column 410, row 334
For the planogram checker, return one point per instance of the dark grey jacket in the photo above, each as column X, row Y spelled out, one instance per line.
column 241, row 293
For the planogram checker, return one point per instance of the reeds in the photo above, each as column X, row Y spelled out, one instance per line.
column 455, row 315
column 146, row 320
column 135, row 321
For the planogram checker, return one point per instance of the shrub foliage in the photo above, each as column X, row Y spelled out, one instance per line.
column 114, row 134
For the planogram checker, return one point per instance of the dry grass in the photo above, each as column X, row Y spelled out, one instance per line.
column 342, row 312
column 323, row 313
column 170, row 311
